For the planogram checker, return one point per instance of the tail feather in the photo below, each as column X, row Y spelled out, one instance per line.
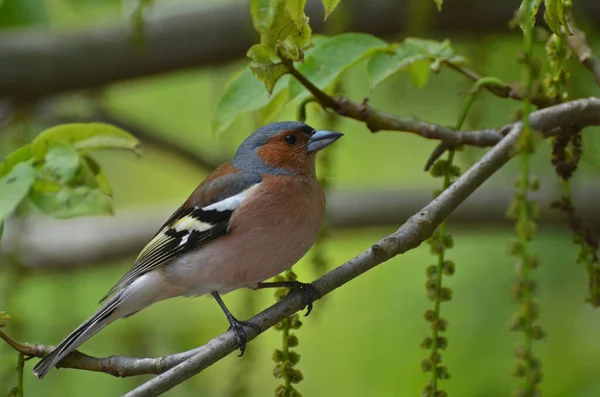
column 85, row 331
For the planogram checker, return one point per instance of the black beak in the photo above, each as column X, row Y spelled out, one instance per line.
column 321, row 139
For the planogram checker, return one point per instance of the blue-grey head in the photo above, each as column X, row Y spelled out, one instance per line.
column 283, row 148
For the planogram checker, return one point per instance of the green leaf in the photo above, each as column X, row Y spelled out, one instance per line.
column 530, row 12
column 277, row 102
column 556, row 15
column 264, row 65
column 408, row 53
column 296, row 10
column 61, row 162
column 419, row 73
column 243, row 94
column 280, row 32
column 84, row 136
column 73, row 202
column 439, row 4
column 20, row 155
column 14, row 186
column 330, row 6
column 100, row 180
column 330, row 57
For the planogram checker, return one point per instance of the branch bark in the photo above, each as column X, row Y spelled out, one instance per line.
column 582, row 50
column 45, row 243
column 410, row 235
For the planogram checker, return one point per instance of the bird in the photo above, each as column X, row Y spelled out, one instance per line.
column 249, row 220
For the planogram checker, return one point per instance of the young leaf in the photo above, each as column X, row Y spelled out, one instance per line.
column 331, row 56
column 14, row 186
column 408, row 53
column 330, row 6
column 243, row 94
column 264, row 65
column 556, row 15
column 73, row 202
column 84, row 136
column 20, row 155
column 439, row 4
column 100, row 180
column 61, row 162
column 296, row 11
column 419, row 73
column 531, row 11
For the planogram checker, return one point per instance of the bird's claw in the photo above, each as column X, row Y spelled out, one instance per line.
column 240, row 333
column 309, row 295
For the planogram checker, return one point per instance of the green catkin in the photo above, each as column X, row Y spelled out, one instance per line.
column 436, row 292
column 286, row 358
column 522, row 210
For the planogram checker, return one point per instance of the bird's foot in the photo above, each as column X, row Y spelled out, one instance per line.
column 240, row 333
column 309, row 294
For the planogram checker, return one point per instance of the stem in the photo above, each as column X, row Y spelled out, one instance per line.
column 20, row 368
column 286, row 355
column 524, row 218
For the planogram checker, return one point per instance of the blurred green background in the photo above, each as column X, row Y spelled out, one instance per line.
column 361, row 340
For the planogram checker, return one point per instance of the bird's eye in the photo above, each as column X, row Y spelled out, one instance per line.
column 290, row 139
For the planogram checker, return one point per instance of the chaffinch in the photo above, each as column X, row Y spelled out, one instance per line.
column 248, row 221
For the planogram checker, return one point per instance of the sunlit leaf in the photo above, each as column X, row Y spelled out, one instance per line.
column 330, row 57
column 14, row 186
column 530, row 12
column 84, row 136
column 265, row 65
column 296, row 10
column 46, row 186
column 20, row 155
column 384, row 64
column 73, row 202
column 243, row 94
column 61, row 162
column 419, row 73
column 276, row 103
column 99, row 177
column 556, row 15
column 330, row 6
column 439, row 4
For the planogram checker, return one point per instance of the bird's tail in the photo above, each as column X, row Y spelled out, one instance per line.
column 99, row 320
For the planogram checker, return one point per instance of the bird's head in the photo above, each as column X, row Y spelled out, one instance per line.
column 284, row 148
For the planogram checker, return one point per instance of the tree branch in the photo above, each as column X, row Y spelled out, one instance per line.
column 45, row 243
column 410, row 235
column 580, row 47
column 376, row 120
column 505, row 91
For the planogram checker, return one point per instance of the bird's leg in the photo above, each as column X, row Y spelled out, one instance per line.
column 235, row 325
column 308, row 291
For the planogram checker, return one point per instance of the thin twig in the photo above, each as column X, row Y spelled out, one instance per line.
column 505, row 90
column 580, row 47
column 578, row 113
column 377, row 120
column 410, row 235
